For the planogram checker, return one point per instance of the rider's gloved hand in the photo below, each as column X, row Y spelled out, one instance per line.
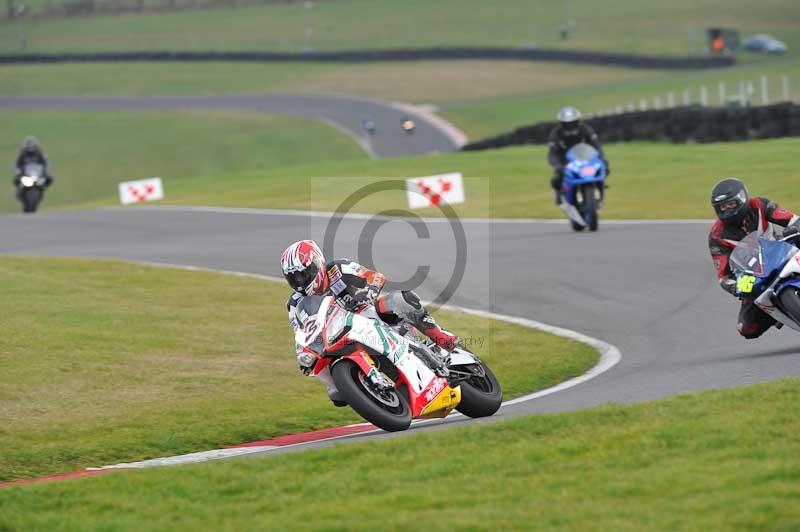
column 792, row 230
column 305, row 362
column 729, row 285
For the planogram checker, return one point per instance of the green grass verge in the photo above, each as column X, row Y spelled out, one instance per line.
column 92, row 151
column 718, row 460
column 627, row 26
column 106, row 362
column 649, row 180
column 423, row 81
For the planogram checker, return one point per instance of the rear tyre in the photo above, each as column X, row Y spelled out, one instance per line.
column 590, row 207
column 576, row 226
column 481, row 396
column 387, row 409
column 789, row 301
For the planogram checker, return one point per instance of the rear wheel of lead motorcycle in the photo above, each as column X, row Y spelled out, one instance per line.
column 480, row 396
column 789, row 301
column 590, row 207
column 387, row 409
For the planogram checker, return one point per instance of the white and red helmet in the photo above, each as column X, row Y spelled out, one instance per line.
column 303, row 266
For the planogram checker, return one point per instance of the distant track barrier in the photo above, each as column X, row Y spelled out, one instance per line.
column 680, row 124
column 365, row 56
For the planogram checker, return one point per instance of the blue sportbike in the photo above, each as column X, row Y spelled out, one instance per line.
column 768, row 272
column 583, row 187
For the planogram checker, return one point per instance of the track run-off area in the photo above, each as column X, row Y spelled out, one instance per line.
column 644, row 288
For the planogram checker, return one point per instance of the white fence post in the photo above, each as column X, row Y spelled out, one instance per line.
column 671, row 99
column 741, row 94
column 643, row 105
column 785, row 86
column 721, row 88
column 764, row 90
column 657, row 102
column 703, row 95
column 631, row 107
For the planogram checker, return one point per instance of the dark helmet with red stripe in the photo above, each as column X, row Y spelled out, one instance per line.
column 729, row 198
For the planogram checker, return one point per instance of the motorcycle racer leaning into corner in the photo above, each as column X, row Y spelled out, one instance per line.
column 569, row 132
column 737, row 216
column 357, row 289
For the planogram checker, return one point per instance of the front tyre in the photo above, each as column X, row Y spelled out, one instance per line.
column 590, row 207
column 387, row 409
column 481, row 396
column 30, row 199
column 789, row 302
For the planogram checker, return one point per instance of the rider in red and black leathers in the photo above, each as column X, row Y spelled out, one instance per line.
column 739, row 215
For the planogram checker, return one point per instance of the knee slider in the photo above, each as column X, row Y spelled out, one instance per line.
column 750, row 331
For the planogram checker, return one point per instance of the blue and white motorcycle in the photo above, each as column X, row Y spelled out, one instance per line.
column 768, row 272
column 583, row 187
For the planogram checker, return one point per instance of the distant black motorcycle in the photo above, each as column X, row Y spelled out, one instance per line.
column 30, row 190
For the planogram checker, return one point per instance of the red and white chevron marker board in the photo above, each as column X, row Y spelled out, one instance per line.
column 434, row 190
column 140, row 191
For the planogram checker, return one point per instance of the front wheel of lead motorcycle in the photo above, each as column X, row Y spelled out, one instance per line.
column 30, row 199
column 481, row 396
column 387, row 409
column 590, row 207
column 789, row 301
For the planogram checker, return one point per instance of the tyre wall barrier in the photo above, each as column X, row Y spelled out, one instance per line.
column 355, row 56
column 680, row 124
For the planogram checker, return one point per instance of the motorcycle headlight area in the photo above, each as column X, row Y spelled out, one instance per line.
column 27, row 181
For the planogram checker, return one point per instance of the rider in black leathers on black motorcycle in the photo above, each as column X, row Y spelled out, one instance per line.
column 569, row 132
column 30, row 153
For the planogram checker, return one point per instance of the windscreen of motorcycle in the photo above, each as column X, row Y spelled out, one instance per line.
column 746, row 256
column 33, row 170
column 583, row 152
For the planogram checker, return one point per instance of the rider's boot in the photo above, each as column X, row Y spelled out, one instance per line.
column 336, row 397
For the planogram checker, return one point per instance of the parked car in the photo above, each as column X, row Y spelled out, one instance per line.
column 764, row 44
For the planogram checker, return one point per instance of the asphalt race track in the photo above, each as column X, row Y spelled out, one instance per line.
column 647, row 288
column 344, row 112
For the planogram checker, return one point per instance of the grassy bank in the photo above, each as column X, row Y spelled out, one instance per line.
column 649, row 180
column 719, row 460
column 417, row 81
column 124, row 362
column 91, row 152
column 624, row 26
